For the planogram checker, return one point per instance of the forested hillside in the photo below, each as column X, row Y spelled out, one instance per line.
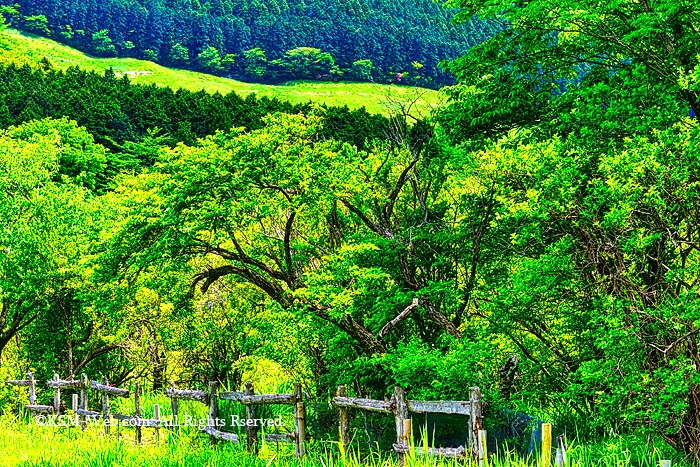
column 22, row 48
column 267, row 40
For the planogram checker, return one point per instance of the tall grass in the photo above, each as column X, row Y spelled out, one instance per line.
column 23, row 443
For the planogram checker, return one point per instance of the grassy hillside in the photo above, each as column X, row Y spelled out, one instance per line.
column 20, row 46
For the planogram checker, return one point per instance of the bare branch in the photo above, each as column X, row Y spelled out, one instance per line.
column 400, row 317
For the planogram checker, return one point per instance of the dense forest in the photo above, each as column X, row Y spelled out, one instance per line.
column 268, row 40
column 537, row 236
column 120, row 113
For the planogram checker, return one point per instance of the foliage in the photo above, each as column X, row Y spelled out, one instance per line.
column 9, row 15
column 151, row 55
column 598, row 159
column 102, row 45
column 209, row 60
column 362, row 70
column 255, row 63
column 122, row 112
column 179, row 55
column 50, row 219
column 578, row 62
column 392, row 36
column 36, row 23
column 306, row 62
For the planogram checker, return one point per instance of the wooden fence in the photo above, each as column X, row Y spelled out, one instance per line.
column 250, row 400
column 398, row 406
column 401, row 408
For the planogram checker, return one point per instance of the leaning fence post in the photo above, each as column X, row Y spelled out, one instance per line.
column 56, row 397
column 105, row 407
column 344, row 419
column 560, row 457
column 546, row 444
column 213, row 408
column 137, row 411
column 400, row 414
column 251, row 430
column 32, row 388
column 83, row 399
column 299, row 421
column 174, row 404
column 475, row 423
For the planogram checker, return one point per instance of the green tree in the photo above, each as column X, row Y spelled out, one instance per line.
column 362, row 70
column 209, row 60
column 595, row 192
column 128, row 48
column 255, row 63
column 179, row 55
column 340, row 256
column 151, row 55
column 545, row 52
column 229, row 63
column 9, row 15
column 49, row 219
column 102, row 44
column 307, row 62
column 67, row 34
column 36, row 23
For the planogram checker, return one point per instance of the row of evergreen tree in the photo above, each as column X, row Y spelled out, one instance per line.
column 135, row 120
column 244, row 38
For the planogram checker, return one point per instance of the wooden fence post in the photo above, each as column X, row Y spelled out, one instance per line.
column 83, row 399
column 560, row 457
column 74, row 408
column 546, row 444
column 407, row 430
column 174, row 405
column 156, row 416
column 56, row 397
column 400, row 414
column 475, row 423
column 32, row 388
column 213, row 408
column 250, row 412
column 483, row 448
column 299, row 421
column 105, row 407
column 344, row 418
column 137, row 410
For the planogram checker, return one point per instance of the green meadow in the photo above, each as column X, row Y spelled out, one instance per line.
column 24, row 444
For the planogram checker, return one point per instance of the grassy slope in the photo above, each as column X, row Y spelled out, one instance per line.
column 373, row 97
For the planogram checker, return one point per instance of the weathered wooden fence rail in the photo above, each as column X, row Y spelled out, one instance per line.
column 399, row 406
column 79, row 401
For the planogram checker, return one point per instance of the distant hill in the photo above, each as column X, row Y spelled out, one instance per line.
column 373, row 40
column 27, row 48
